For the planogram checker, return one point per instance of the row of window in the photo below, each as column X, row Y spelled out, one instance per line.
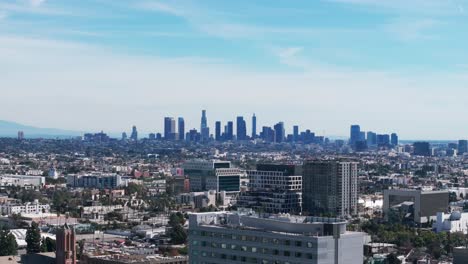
column 266, row 240
column 215, row 255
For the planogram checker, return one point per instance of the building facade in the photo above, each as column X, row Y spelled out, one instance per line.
column 224, row 237
column 330, row 187
column 273, row 188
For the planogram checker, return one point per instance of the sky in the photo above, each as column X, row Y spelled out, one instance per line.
column 391, row 66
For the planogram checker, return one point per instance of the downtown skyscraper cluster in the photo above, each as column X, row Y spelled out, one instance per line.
column 231, row 130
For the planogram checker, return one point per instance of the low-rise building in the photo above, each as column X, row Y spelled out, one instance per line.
column 34, row 208
column 453, row 222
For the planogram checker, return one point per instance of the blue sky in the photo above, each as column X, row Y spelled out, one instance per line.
column 391, row 66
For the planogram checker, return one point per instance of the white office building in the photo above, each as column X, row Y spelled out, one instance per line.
column 226, row 237
column 452, row 223
column 34, row 208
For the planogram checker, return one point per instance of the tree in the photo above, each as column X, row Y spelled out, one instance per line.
column 8, row 245
column 48, row 245
column 33, row 239
column 178, row 235
column 392, row 259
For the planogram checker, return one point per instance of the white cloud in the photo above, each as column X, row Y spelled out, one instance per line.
column 413, row 29
column 74, row 86
column 36, row 3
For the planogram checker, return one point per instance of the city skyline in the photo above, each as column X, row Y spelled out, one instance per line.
column 390, row 66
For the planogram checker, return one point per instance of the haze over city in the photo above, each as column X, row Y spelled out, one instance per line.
column 107, row 65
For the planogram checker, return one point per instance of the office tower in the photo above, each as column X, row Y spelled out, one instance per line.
column 362, row 136
column 158, row 136
column 394, row 139
column 254, row 127
column 181, row 127
column 169, row 128
column 66, row 245
column 383, row 140
column 462, row 147
column 152, row 136
column 246, row 237
column 193, row 136
column 124, row 136
column 355, row 133
column 295, row 133
column 230, row 131
column 279, row 132
column 218, row 131
column 134, row 135
column 267, row 134
column 204, row 129
column 273, row 188
column 330, row 186
column 20, row 135
column 371, row 138
column 422, row 149
column 212, row 175
column 241, row 128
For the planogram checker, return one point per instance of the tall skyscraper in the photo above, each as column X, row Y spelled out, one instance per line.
column 355, row 134
column 296, row 133
column 181, row 127
column 20, row 135
column 394, row 139
column 330, row 187
column 254, row 126
column 230, row 131
column 241, row 128
column 204, row 129
column 462, row 147
column 371, row 138
column 279, row 132
column 218, row 131
column 134, row 135
column 124, row 136
column 169, row 128
column 422, row 149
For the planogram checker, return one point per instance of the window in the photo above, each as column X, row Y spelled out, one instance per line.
column 298, row 243
column 287, row 253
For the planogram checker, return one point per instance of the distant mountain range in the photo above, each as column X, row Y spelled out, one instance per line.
column 10, row 129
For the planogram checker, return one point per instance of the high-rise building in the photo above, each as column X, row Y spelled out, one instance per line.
column 66, row 246
column 273, row 188
column 212, row 175
column 124, row 136
column 241, row 128
column 20, row 135
column 330, row 186
column 422, row 149
column 279, row 132
column 218, row 131
column 295, row 133
column 371, row 138
column 204, row 129
column 383, row 140
column 394, row 139
column 355, row 134
column 181, row 127
column 246, row 237
column 230, row 131
column 134, row 135
column 169, row 128
column 462, row 147
column 267, row 134
column 254, row 126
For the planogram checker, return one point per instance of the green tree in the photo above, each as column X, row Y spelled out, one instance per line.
column 8, row 245
column 392, row 259
column 178, row 235
column 33, row 239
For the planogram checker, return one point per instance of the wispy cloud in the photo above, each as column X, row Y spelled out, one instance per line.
column 413, row 29
column 36, row 3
